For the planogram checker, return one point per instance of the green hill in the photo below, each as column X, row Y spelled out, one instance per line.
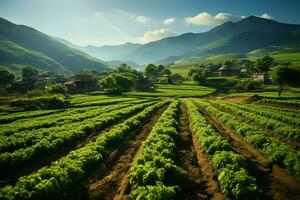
column 11, row 53
column 45, row 52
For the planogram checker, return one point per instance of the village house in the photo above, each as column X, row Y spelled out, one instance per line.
column 228, row 70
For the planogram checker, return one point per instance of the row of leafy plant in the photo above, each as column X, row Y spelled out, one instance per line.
column 52, row 126
column 23, row 115
column 277, row 153
column 287, row 102
column 38, row 113
column 73, row 133
column 233, row 176
column 103, row 102
column 285, row 111
column 82, row 98
column 154, row 174
column 269, row 113
column 277, row 127
column 71, row 115
column 58, row 179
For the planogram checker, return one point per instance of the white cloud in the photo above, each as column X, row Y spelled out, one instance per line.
column 168, row 21
column 150, row 36
column 205, row 18
column 142, row 19
column 266, row 16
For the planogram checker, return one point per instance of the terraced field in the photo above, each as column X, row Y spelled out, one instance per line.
column 105, row 147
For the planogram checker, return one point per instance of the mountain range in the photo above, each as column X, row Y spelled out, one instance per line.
column 22, row 45
column 240, row 37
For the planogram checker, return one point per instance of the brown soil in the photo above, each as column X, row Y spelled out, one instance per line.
column 267, row 131
column 275, row 182
column 110, row 180
column 236, row 99
column 200, row 182
column 282, row 106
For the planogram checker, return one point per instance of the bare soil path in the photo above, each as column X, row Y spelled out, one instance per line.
column 200, row 182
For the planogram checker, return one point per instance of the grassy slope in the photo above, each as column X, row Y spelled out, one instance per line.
column 13, row 54
column 188, row 89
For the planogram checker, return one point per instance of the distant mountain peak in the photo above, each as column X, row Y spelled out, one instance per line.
column 256, row 19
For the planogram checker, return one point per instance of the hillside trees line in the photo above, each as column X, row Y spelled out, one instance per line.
column 122, row 79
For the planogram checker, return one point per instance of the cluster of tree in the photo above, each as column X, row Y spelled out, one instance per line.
column 198, row 74
column 247, row 85
column 124, row 79
column 117, row 81
column 161, row 74
column 32, row 81
column 153, row 72
column 284, row 76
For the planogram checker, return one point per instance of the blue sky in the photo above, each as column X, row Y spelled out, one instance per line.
column 99, row 22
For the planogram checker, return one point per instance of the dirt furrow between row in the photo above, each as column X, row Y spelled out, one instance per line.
column 110, row 179
column 275, row 182
column 267, row 131
column 200, row 182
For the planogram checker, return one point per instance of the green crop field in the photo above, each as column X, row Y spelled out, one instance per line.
column 154, row 144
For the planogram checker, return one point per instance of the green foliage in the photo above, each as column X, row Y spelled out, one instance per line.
column 247, row 85
column 198, row 74
column 153, row 72
column 6, row 78
column 284, row 76
column 61, row 131
column 266, row 118
column 155, row 174
column 29, row 74
column 155, row 192
column 58, row 89
column 34, row 93
column 264, row 64
column 62, row 175
column 233, row 177
column 116, row 83
column 279, row 153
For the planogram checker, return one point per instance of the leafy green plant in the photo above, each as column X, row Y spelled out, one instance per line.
column 233, row 177
column 154, row 175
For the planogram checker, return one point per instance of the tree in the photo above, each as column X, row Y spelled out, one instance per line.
column 87, row 80
column 167, row 71
column 197, row 74
column 116, row 83
column 284, row 76
column 34, row 93
column 57, row 90
column 124, row 68
column 29, row 74
column 6, row 78
column 151, row 72
column 176, row 78
column 264, row 64
column 141, row 82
